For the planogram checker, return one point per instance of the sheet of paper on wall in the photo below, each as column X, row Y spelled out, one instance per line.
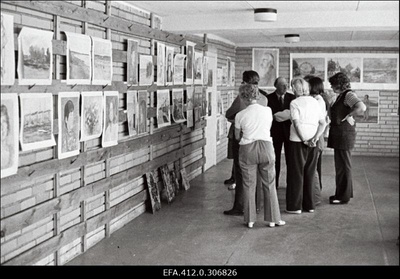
column 160, row 63
column 35, row 57
column 205, row 70
column 79, row 59
column 189, row 62
column 68, row 124
column 146, row 70
column 142, row 112
column 110, row 120
column 177, row 104
column 91, row 115
column 9, row 134
column 219, row 76
column 132, row 112
column 198, row 67
column 233, row 69
column 189, row 106
column 163, row 108
column 102, row 64
column 228, row 71
column 7, row 50
column 36, row 121
column 169, row 69
column 179, row 67
column 132, row 62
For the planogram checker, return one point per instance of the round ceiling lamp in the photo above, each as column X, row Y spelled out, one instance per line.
column 266, row 14
column 292, row 38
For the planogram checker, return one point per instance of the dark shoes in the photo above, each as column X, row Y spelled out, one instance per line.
column 229, row 181
column 334, row 200
column 233, row 212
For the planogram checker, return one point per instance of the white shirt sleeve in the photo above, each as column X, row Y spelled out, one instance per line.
column 294, row 111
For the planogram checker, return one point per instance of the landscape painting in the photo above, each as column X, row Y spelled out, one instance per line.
column 163, row 108
column 132, row 62
column 68, row 124
column 146, row 70
column 349, row 65
column 91, row 115
column 79, row 66
column 154, row 192
column 9, row 134
column 142, row 113
column 177, row 102
column 35, row 63
column 7, row 50
column 132, row 112
column 305, row 66
column 36, row 121
column 102, row 61
column 179, row 67
column 380, row 70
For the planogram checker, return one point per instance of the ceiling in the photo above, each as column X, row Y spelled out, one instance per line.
column 319, row 23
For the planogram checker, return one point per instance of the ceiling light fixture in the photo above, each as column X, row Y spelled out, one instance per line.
column 292, row 38
column 266, row 14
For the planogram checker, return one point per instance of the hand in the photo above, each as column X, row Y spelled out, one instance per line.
column 349, row 119
column 310, row 143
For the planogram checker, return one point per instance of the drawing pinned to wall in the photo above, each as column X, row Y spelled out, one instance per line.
column 219, row 76
column 9, row 134
column 79, row 65
column 380, row 70
column 142, row 118
column 177, row 102
column 91, row 115
column 371, row 101
column 210, row 79
column 110, row 128
column 233, row 69
column 205, row 70
column 305, row 66
column 102, row 61
column 36, row 121
column 204, row 102
column 198, row 67
column 156, row 22
column 132, row 112
column 7, row 50
column 160, row 64
column 146, row 70
column 189, row 62
column 224, row 75
column 185, row 180
column 348, row 65
column 132, row 62
column 266, row 64
column 154, row 192
column 169, row 71
column 35, row 62
column 163, row 108
column 179, row 66
column 68, row 124
column 189, row 106
column 209, row 103
column 220, row 104
column 168, row 193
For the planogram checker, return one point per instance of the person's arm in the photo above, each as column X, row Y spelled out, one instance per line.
column 320, row 131
column 238, row 134
column 234, row 109
column 281, row 116
column 358, row 107
column 296, row 125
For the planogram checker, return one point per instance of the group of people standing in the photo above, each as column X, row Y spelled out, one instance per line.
column 263, row 124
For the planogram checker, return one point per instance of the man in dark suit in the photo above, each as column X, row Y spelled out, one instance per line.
column 279, row 102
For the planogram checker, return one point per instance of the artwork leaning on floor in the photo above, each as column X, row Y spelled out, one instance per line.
column 9, row 134
column 7, row 50
column 154, row 192
column 35, row 63
column 175, row 182
column 79, row 64
column 163, row 108
column 68, row 124
column 91, row 115
column 168, row 193
column 36, row 121
column 185, row 180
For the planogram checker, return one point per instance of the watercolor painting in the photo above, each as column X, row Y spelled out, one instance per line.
column 91, row 115
column 351, row 66
column 110, row 120
column 146, row 70
column 132, row 62
column 163, row 108
column 189, row 62
column 132, row 112
column 168, row 193
column 9, row 134
column 179, row 66
column 233, row 69
column 177, row 104
column 79, row 64
column 266, row 64
column 161, row 64
column 189, row 106
column 102, row 61
column 142, row 107
column 371, row 101
column 68, row 124
column 380, row 70
column 204, row 102
column 35, row 63
column 198, row 67
column 205, row 70
column 304, row 66
column 7, row 50
column 224, row 75
column 169, row 69
column 36, row 121
column 154, row 192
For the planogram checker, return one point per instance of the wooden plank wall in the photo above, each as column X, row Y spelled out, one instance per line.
column 53, row 210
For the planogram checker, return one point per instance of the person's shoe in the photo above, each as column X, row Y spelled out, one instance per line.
column 293, row 211
column 280, row 223
column 233, row 212
column 250, row 224
column 232, row 187
column 331, row 198
column 310, row 210
column 337, row 202
column 229, row 181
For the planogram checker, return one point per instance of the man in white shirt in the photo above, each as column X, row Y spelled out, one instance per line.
column 308, row 124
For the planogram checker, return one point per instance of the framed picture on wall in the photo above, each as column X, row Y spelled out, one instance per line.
column 381, row 71
column 9, row 134
column 371, row 101
column 7, row 50
column 68, row 124
column 302, row 65
column 347, row 64
column 266, row 63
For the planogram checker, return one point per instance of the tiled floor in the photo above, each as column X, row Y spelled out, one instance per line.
column 193, row 231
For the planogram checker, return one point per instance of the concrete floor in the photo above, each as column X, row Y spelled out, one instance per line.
column 193, row 230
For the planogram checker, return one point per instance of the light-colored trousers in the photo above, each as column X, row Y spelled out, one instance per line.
column 259, row 156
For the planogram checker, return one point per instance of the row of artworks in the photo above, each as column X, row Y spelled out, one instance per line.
column 85, row 116
column 89, row 60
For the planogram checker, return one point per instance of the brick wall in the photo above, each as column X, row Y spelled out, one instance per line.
column 381, row 139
